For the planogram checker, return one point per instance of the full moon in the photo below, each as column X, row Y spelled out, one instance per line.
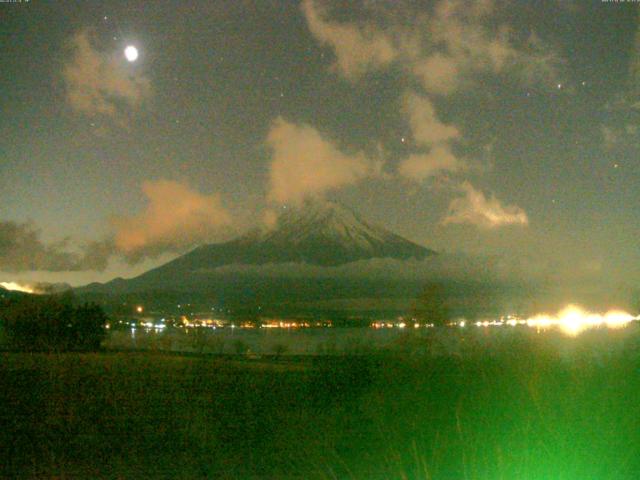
column 131, row 53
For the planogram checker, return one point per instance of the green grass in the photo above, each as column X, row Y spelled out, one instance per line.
column 518, row 412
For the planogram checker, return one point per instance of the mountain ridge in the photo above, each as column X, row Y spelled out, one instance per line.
column 320, row 233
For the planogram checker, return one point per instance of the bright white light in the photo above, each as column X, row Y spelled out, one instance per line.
column 16, row 287
column 573, row 320
column 131, row 53
column 618, row 319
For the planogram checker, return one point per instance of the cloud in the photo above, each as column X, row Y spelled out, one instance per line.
column 358, row 48
column 476, row 209
column 439, row 53
column 305, row 164
column 101, row 84
column 419, row 167
column 427, row 130
column 438, row 73
column 442, row 266
column 175, row 218
column 21, row 249
column 432, row 134
column 443, row 51
column 620, row 127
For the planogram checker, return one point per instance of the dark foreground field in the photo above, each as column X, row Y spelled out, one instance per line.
column 520, row 412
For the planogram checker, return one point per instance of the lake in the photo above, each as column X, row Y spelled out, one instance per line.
column 338, row 341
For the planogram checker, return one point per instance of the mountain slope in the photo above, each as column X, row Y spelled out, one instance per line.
column 317, row 233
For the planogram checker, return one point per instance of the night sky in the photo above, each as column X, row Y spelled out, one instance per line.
column 502, row 129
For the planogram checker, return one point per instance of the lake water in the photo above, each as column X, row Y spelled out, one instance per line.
column 339, row 341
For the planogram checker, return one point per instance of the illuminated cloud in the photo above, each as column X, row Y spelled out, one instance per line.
column 17, row 287
column 306, row 164
column 427, row 130
column 440, row 53
column 35, row 287
column 98, row 83
column 443, row 51
column 476, row 209
column 358, row 48
column 438, row 73
column 175, row 218
column 440, row 159
column 432, row 134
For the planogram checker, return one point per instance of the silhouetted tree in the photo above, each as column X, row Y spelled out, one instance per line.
column 431, row 305
column 279, row 349
column 53, row 323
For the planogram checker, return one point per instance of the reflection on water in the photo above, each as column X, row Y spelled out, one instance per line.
column 454, row 340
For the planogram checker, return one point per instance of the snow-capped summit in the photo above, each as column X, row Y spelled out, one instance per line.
column 314, row 233
column 323, row 221
column 317, row 232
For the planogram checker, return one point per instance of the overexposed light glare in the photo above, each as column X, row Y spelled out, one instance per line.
column 571, row 320
column 618, row 319
column 131, row 53
column 17, row 287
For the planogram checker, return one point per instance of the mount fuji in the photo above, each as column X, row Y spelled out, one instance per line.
column 319, row 235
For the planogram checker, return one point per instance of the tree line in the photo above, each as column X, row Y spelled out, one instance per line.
column 52, row 323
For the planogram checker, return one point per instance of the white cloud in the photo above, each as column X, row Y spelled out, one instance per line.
column 304, row 163
column 476, row 209
column 101, row 84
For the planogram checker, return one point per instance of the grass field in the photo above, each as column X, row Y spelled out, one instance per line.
column 517, row 412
